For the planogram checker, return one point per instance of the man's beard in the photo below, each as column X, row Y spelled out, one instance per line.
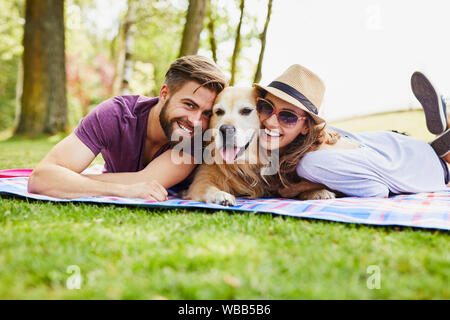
column 167, row 125
column 165, row 122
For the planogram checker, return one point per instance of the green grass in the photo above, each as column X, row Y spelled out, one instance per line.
column 136, row 253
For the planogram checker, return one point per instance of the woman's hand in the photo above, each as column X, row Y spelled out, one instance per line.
column 294, row 190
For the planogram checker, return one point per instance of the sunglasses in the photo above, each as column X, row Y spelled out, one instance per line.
column 285, row 117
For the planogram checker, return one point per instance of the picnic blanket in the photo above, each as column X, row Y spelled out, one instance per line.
column 423, row 210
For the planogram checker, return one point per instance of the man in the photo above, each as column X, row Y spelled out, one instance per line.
column 133, row 135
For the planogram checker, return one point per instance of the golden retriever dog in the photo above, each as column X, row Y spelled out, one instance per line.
column 233, row 167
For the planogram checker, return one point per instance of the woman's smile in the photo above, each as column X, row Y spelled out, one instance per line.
column 270, row 138
column 271, row 133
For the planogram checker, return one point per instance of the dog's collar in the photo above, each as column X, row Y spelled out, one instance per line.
column 246, row 146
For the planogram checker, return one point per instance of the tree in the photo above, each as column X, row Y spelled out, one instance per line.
column 43, row 103
column 212, row 35
column 157, row 43
column 11, row 16
column 124, row 68
column 193, row 27
column 237, row 44
column 263, row 35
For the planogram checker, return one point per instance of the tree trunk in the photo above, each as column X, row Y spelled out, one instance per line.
column 114, row 47
column 237, row 44
column 258, row 73
column 19, row 91
column 193, row 27
column 44, row 104
column 212, row 36
column 125, row 65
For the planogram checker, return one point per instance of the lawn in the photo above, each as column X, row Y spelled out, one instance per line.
column 135, row 253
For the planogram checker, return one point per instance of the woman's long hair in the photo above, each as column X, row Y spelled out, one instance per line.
column 292, row 154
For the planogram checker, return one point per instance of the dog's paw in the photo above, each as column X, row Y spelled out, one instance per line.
column 320, row 194
column 183, row 194
column 221, row 197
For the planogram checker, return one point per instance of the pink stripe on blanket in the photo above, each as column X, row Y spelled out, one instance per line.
column 15, row 173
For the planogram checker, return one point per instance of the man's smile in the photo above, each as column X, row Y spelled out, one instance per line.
column 185, row 128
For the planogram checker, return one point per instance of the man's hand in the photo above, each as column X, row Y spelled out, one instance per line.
column 152, row 190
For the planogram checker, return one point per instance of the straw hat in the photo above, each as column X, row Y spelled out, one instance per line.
column 300, row 87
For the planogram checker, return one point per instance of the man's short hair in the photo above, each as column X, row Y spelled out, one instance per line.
column 195, row 68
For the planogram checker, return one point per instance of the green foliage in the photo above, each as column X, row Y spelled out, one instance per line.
column 7, row 93
column 11, row 30
column 159, row 30
column 158, row 34
column 93, row 41
column 75, row 110
column 226, row 18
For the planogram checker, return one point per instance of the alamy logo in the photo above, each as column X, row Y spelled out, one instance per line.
column 374, row 21
column 213, row 146
column 374, row 280
column 75, row 280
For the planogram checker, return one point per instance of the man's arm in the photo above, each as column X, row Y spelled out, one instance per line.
column 168, row 169
column 59, row 175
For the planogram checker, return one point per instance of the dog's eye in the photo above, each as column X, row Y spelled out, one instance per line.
column 220, row 112
column 246, row 111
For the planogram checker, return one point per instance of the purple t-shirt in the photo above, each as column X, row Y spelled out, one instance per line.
column 117, row 128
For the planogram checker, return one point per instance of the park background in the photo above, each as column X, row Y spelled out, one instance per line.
column 365, row 50
column 76, row 53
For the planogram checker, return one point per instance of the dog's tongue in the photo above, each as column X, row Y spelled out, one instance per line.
column 229, row 154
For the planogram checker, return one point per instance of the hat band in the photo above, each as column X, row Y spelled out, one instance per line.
column 294, row 94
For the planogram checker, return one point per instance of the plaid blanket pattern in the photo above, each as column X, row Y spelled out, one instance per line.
column 424, row 210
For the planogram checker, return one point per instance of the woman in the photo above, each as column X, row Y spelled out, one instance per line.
column 372, row 164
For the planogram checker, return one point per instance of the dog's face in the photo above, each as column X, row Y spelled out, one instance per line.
column 235, row 124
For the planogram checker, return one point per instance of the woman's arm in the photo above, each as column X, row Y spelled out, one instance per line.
column 303, row 186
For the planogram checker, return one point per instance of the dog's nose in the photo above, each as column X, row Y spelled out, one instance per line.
column 227, row 129
column 227, row 132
